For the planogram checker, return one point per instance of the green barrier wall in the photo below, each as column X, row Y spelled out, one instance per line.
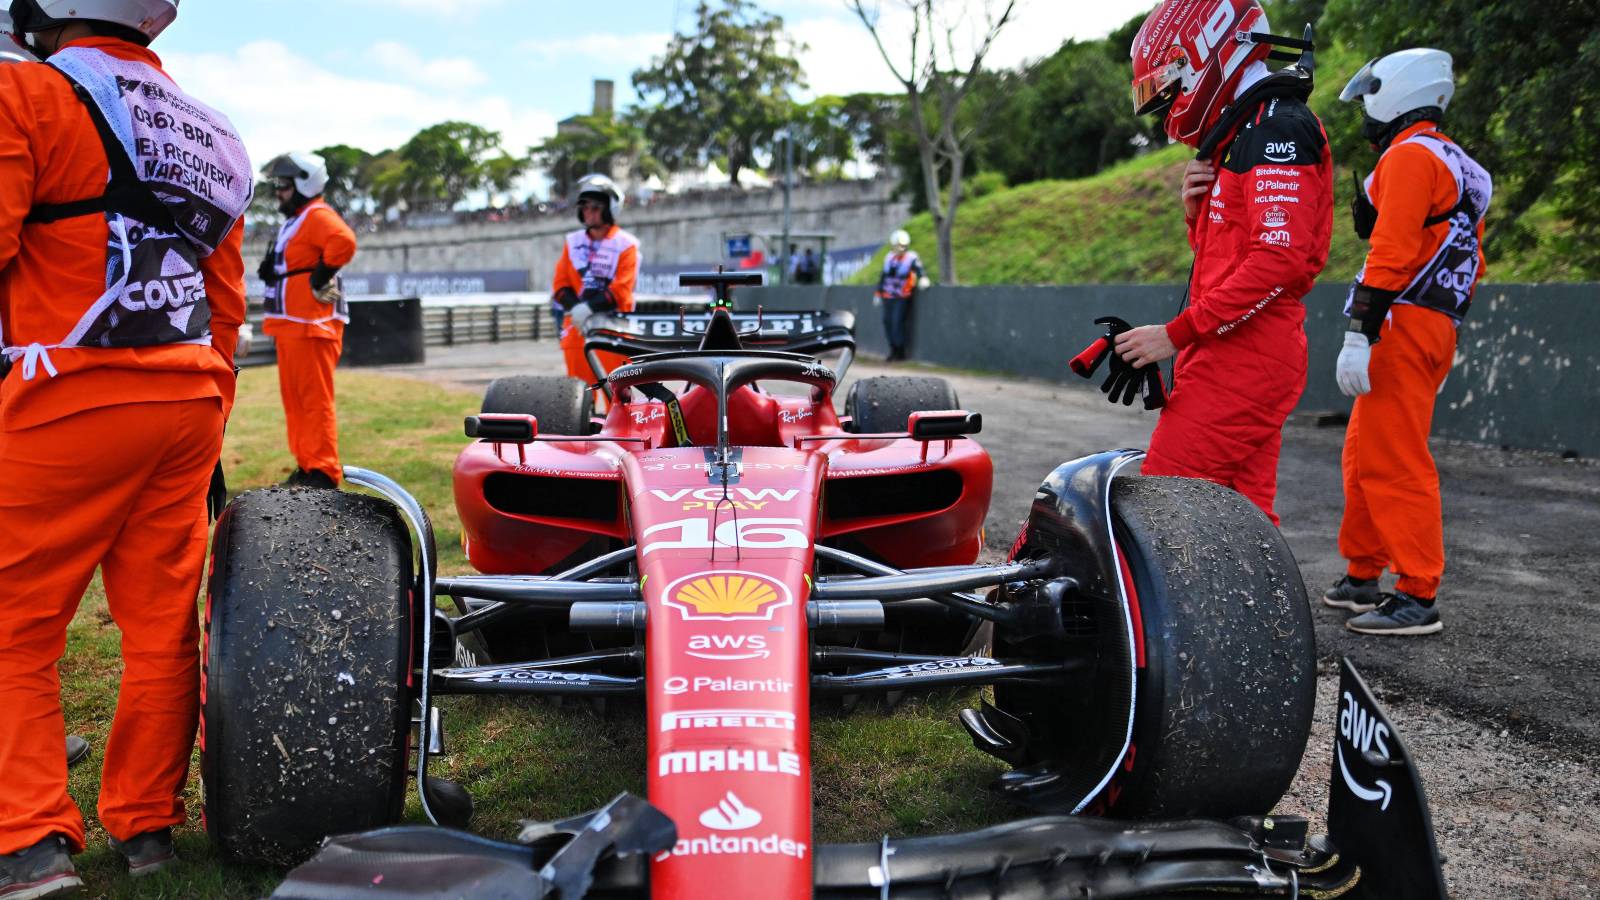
column 1527, row 370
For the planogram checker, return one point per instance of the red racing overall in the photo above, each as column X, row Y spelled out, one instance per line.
column 1241, row 342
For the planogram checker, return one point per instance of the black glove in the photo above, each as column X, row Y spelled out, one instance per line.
column 599, row 299
column 564, row 298
column 268, row 270
column 321, row 274
column 217, row 495
column 1124, row 381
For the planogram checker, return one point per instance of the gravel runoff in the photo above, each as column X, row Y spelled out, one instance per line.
column 1510, row 763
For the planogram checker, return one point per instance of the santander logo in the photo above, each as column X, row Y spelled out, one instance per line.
column 730, row 814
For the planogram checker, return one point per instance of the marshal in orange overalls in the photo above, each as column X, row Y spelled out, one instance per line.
column 601, row 272
column 1392, row 514
column 106, row 454
column 309, row 335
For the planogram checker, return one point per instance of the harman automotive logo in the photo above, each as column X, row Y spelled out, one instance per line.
column 727, row 596
column 730, row 814
column 727, row 718
column 689, row 762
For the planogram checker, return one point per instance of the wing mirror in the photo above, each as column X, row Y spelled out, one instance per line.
column 503, row 428
column 945, row 423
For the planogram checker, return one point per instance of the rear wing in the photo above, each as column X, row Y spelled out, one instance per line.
column 808, row 332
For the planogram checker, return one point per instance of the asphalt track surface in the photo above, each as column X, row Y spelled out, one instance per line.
column 1502, row 708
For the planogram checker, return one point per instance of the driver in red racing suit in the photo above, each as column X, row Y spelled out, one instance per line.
column 1260, row 219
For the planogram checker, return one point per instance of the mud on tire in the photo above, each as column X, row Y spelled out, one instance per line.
column 560, row 403
column 1227, row 692
column 306, row 702
column 881, row 404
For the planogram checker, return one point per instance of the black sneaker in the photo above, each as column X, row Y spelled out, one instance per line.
column 1400, row 614
column 1354, row 594
column 43, row 870
column 77, row 750
column 147, row 853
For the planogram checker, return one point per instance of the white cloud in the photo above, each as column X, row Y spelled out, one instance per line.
column 623, row 50
column 452, row 9
column 280, row 100
column 442, row 74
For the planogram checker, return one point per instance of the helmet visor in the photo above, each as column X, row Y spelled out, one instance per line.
column 1362, row 84
column 1157, row 89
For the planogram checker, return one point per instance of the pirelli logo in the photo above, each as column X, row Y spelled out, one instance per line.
column 727, row 718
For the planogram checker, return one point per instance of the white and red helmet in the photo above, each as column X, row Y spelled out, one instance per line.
column 1188, row 58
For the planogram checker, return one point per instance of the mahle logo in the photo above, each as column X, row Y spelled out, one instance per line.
column 727, row 596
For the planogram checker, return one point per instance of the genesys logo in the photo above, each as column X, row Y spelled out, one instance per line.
column 699, row 762
column 727, row 718
column 727, row 596
column 730, row 814
column 728, row 646
column 703, row 684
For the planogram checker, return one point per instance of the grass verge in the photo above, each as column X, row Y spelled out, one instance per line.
column 911, row 772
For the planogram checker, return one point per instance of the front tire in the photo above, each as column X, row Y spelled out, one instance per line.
column 306, row 700
column 562, row 404
column 883, row 403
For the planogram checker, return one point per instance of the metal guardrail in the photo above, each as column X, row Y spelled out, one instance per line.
column 493, row 323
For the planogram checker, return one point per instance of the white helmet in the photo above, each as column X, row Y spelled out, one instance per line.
column 900, row 240
column 597, row 185
column 308, row 170
column 148, row 17
column 1391, row 86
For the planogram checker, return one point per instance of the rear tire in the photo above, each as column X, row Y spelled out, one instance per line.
column 881, row 404
column 563, row 405
column 1227, row 693
column 306, row 704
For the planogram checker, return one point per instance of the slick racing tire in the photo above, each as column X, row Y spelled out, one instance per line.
column 881, row 404
column 306, row 697
column 562, row 404
column 1226, row 696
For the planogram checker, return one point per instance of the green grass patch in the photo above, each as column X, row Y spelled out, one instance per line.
column 912, row 771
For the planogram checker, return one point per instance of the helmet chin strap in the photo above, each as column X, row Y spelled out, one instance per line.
column 1382, row 134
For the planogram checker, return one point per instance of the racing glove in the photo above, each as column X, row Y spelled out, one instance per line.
column 599, row 299
column 1351, row 371
column 268, row 270
column 1363, row 215
column 1124, row 381
column 563, row 298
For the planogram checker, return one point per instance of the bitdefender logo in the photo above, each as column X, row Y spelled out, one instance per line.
column 730, row 814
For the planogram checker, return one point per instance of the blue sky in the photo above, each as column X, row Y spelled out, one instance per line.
column 302, row 74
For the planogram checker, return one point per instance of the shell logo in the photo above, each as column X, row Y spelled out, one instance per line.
column 727, row 596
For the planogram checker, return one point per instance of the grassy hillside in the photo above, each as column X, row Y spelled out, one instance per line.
column 1125, row 224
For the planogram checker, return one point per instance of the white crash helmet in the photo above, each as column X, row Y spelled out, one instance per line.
column 148, row 17
column 11, row 49
column 597, row 185
column 309, row 171
column 900, row 240
column 1391, row 86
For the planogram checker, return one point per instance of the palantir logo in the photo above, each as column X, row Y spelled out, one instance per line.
column 730, row 814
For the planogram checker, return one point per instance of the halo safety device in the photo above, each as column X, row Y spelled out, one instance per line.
column 307, row 171
column 148, row 17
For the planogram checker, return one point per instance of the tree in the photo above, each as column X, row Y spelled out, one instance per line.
column 349, row 187
column 592, row 144
column 942, row 82
column 724, row 87
column 1527, row 91
column 444, row 162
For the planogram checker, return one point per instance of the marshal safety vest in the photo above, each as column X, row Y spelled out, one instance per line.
column 180, row 180
column 272, row 301
column 1446, row 283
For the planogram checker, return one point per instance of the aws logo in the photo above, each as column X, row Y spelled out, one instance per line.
column 727, row 596
column 1280, row 151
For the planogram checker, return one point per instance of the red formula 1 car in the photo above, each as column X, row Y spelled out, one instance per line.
column 726, row 547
